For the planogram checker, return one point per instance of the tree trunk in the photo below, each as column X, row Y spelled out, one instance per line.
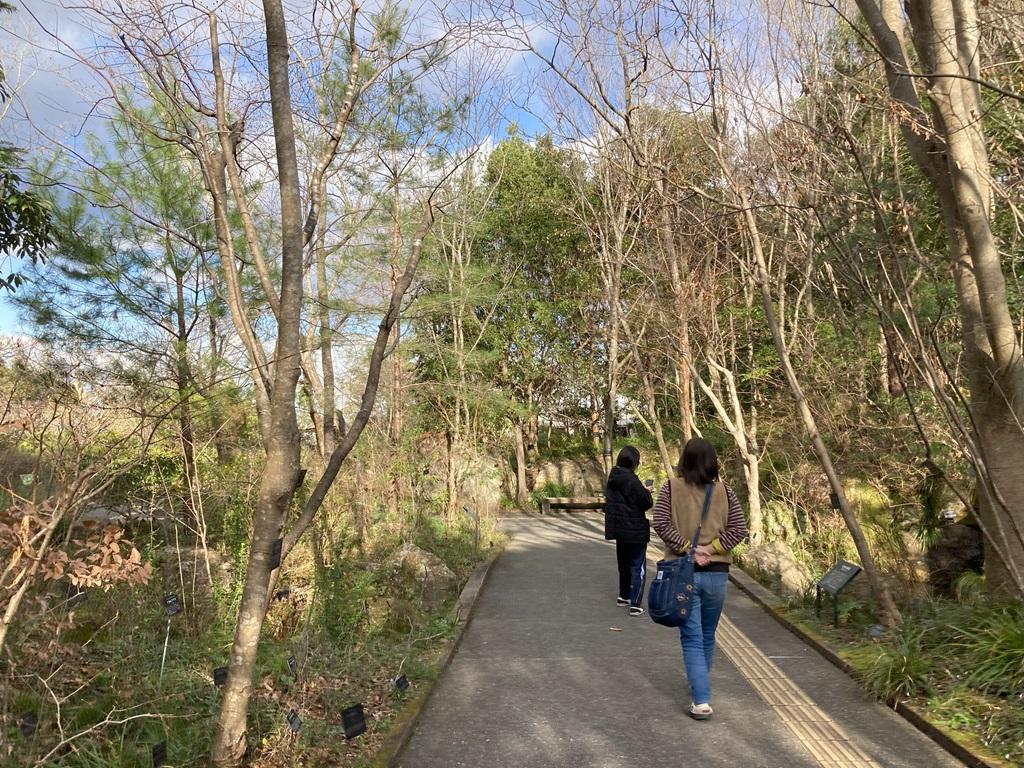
column 281, row 471
column 328, row 407
column 396, row 405
column 451, row 483
column 183, row 383
column 522, row 494
column 531, row 433
column 679, row 299
column 655, row 425
column 743, row 438
column 948, row 144
column 889, row 613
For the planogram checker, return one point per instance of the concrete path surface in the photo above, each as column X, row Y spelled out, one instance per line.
column 542, row 679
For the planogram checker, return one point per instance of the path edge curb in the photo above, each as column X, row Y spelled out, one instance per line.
column 402, row 730
column 771, row 603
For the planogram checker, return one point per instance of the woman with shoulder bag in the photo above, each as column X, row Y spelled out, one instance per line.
column 676, row 516
column 626, row 501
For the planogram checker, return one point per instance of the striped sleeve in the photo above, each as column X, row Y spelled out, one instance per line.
column 735, row 527
column 662, row 522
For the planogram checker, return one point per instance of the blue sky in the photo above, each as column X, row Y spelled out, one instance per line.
column 53, row 109
column 8, row 319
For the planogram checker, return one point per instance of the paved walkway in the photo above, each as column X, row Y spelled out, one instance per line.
column 542, row 679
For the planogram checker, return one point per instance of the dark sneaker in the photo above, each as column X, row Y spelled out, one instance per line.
column 621, row 601
column 636, row 610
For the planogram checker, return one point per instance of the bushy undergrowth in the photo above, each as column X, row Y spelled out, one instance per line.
column 95, row 669
column 549, row 489
column 963, row 662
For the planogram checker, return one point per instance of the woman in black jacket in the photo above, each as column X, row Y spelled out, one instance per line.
column 626, row 500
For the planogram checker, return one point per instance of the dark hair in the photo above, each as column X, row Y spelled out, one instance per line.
column 629, row 458
column 699, row 463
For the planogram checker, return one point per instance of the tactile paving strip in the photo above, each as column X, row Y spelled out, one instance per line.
column 822, row 737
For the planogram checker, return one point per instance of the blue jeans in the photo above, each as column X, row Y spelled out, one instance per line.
column 697, row 635
column 632, row 561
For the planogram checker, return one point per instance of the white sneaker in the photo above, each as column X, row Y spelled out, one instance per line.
column 636, row 610
column 621, row 601
column 701, row 711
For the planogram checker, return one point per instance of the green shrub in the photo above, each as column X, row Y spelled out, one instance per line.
column 455, row 542
column 549, row 489
column 345, row 590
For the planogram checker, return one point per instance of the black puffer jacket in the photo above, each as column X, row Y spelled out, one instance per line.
column 626, row 500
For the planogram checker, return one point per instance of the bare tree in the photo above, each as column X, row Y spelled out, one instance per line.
column 947, row 141
column 213, row 106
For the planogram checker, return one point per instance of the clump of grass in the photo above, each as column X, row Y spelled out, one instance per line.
column 901, row 668
column 1006, row 731
column 993, row 647
column 970, row 587
column 962, row 661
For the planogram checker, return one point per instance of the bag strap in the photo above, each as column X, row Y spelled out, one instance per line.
column 695, row 541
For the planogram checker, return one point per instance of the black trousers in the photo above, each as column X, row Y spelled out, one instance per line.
column 632, row 559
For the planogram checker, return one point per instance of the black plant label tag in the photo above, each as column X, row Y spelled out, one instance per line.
column 27, row 723
column 275, row 554
column 353, row 721
column 220, row 676
column 172, row 605
column 159, row 754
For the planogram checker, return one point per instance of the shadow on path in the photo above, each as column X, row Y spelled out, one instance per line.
column 551, row 672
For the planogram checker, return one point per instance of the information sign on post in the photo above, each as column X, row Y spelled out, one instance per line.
column 835, row 581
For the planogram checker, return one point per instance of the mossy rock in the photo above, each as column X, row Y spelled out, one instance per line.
column 869, row 504
column 84, row 631
column 779, row 521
